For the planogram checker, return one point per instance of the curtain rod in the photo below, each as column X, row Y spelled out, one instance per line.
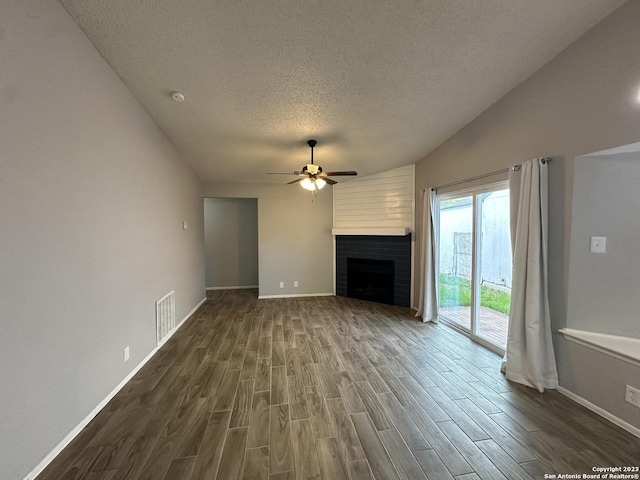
column 484, row 175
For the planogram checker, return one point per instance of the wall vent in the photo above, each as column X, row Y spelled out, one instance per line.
column 165, row 316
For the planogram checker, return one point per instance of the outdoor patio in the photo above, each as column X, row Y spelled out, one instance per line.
column 492, row 325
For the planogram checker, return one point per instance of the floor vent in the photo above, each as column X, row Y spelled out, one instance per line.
column 165, row 316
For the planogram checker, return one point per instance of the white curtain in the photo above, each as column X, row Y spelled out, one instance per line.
column 428, row 300
column 529, row 357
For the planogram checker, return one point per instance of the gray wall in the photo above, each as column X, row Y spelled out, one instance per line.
column 294, row 236
column 92, row 200
column 231, row 242
column 582, row 101
column 604, row 288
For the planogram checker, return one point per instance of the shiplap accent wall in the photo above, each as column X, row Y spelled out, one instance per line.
column 383, row 200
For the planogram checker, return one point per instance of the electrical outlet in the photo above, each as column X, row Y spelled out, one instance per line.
column 281, row 284
column 126, row 353
column 295, row 283
column 632, row 395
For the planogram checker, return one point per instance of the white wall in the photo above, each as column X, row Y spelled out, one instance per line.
column 92, row 200
column 580, row 102
column 294, row 236
column 231, row 242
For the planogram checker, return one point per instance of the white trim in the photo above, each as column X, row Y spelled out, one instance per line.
column 398, row 231
column 296, row 295
column 240, row 287
column 85, row 421
column 622, row 348
column 600, row 411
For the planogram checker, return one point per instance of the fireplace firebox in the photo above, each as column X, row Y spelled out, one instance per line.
column 369, row 279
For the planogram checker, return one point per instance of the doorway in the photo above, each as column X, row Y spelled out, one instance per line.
column 474, row 263
column 231, row 243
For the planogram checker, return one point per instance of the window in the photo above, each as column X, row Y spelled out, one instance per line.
column 474, row 262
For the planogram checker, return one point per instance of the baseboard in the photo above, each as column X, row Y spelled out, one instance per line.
column 84, row 422
column 296, row 295
column 600, row 411
column 240, row 287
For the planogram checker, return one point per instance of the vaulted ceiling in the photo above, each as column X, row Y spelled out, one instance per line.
column 378, row 83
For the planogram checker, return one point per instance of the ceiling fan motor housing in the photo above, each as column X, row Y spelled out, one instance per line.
column 312, row 169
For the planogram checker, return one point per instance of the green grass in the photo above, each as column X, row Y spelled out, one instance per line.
column 456, row 291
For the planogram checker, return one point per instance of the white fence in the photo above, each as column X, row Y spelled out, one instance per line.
column 456, row 220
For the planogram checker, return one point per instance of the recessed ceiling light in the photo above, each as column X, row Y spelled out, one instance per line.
column 177, row 96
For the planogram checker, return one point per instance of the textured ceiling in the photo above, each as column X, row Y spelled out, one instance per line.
column 379, row 84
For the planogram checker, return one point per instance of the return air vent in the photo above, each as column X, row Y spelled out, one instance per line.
column 165, row 316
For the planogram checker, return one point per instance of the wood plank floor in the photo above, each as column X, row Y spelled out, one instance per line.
column 332, row 388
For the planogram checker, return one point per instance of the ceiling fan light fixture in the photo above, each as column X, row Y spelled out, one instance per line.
column 320, row 183
column 308, row 184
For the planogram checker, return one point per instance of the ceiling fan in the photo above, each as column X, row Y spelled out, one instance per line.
column 312, row 177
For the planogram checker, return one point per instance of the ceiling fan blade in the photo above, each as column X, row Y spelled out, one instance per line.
column 329, row 181
column 340, row 174
column 296, row 181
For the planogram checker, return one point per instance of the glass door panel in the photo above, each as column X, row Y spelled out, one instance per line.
column 455, row 261
column 494, row 267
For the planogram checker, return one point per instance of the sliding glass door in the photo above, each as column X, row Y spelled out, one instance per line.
column 455, row 262
column 474, row 263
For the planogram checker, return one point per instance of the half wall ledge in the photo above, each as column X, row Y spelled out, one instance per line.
column 395, row 231
column 626, row 349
